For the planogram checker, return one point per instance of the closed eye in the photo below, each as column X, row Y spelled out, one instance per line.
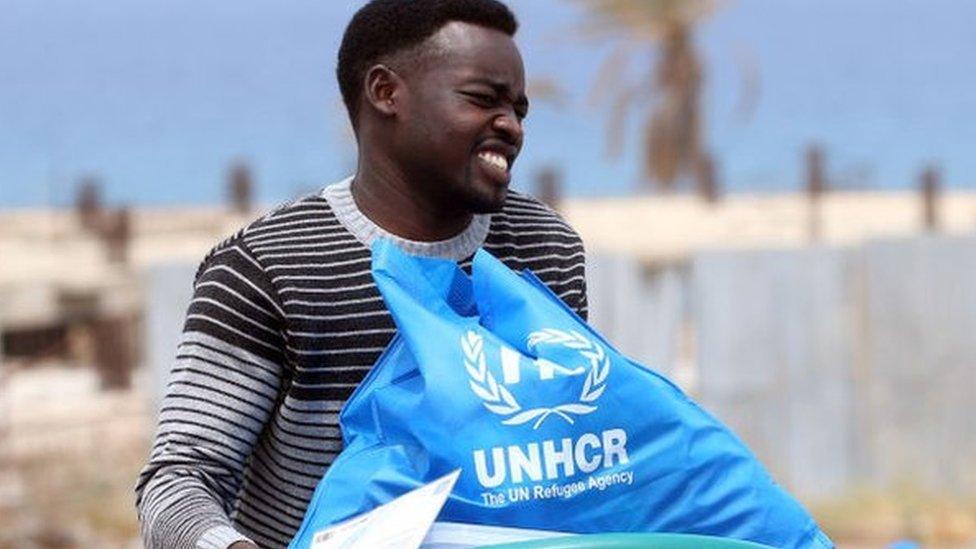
column 490, row 101
column 482, row 98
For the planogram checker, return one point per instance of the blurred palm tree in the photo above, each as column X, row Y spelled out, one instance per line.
column 670, row 97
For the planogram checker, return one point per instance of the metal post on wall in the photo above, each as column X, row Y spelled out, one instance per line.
column 816, row 186
column 930, row 183
column 549, row 187
column 88, row 203
column 117, row 235
column 240, row 188
column 705, row 175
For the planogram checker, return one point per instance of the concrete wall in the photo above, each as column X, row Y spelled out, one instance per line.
column 640, row 309
column 840, row 367
column 844, row 367
column 169, row 289
column 776, row 357
column 920, row 363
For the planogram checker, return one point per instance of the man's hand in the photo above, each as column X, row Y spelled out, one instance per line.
column 243, row 545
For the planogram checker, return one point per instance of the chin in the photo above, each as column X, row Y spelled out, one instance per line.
column 474, row 195
column 487, row 202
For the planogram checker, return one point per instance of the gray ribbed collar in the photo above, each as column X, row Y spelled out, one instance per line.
column 339, row 196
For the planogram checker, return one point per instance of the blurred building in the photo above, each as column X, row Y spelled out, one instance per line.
column 73, row 294
column 669, row 229
column 57, row 279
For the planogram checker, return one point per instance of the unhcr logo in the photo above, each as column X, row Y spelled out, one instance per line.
column 534, row 461
column 497, row 398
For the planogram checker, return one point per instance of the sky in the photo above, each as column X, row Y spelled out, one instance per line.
column 158, row 97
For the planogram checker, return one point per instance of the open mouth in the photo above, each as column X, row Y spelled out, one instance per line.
column 496, row 165
column 495, row 160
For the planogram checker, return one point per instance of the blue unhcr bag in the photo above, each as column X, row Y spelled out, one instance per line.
column 552, row 428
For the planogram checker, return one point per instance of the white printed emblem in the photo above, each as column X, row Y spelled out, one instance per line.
column 498, row 399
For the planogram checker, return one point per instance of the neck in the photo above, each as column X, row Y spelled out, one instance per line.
column 385, row 195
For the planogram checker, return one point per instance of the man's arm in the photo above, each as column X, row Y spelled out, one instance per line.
column 582, row 307
column 222, row 389
column 571, row 286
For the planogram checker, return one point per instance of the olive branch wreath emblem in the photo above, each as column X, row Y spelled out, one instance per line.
column 499, row 400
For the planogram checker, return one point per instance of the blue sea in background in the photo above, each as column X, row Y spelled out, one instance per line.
column 157, row 98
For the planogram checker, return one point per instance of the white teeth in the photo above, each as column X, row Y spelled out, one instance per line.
column 495, row 160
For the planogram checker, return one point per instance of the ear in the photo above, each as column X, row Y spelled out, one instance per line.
column 384, row 88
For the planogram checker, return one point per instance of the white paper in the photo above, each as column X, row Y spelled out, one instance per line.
column 400, row 524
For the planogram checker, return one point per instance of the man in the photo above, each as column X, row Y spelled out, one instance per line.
column 285, row 319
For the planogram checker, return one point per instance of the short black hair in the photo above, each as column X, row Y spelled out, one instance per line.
column 384, row 27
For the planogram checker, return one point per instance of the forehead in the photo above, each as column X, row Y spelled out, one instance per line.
column 463, row 50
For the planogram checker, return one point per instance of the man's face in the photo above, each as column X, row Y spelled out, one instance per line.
column 460, row 127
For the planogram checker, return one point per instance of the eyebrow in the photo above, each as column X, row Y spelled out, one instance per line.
column 522, row 100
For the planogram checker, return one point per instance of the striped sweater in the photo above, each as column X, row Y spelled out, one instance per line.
column 285, row 321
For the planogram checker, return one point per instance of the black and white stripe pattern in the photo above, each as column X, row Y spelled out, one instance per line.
column 285, row 322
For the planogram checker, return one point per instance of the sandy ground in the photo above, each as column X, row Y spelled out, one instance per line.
column 69, row 456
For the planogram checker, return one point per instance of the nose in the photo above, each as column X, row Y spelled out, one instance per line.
column 509, row 125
